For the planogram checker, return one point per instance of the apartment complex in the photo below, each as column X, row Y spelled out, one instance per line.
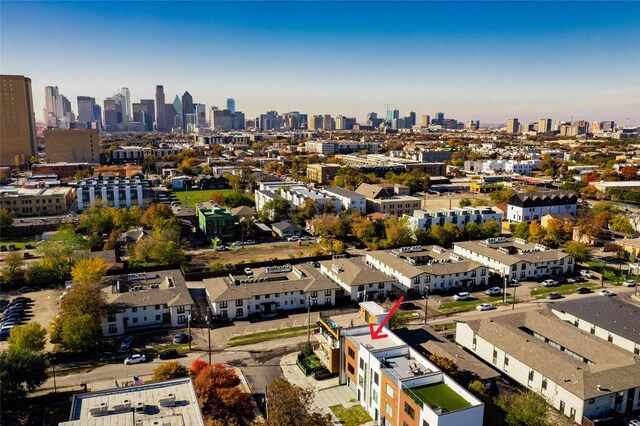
column 265, row 291
column 417, row 268
column 17, row 121
column 381, row 164
column 322, row 173
column 61, row 170
column 24, row 202
column 580, row 374
column 339, row 147
column 425, row 219
column 530, row 206
column 516, row 258
column 114, row 191
column 397, row 386
column 215, row 221
column 146, row 300
column 350, row 200
column 360, row 281
column 72, row 146
column 388, row 199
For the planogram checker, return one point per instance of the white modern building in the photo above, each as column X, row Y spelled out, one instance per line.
column 397, row 386
column 360, row 281
column 516, row 258
column 114, row 191
column 146, row 300
column 578, row 373
column 530, row 206
column 350, row 200
column 417, row 268
column 265, row 291
column 299, row 195
column 425, row 219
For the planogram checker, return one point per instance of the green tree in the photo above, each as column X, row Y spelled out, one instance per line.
column 29, row 337
column 236, row 199
column 169, row 370
column 472, row 231
column 97, row 220
column 479, row 390
column 464, row 202
column 526, row 409
column 306, row 211
column 40, row 274
column 502, row 196
column 580, row 251
column 89, row 271
column 620, row 223
column 61, row 251
column 275, row 210
column 491, row 229
column 21, row 372
column 80, row 333
column 6, row 218
column 397, row 232
column 521, row 230
column 12, row 266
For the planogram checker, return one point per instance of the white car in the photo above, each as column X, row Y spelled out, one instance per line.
column 248, row 271
column 493, row 291
column 585, row 273
column 629, row 283
column 135, row 359
column 549, row 283
column 484, row 307
column 294, row 238
column 462, row 296
column 606, row 292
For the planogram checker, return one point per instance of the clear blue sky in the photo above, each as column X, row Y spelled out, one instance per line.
column 471, row 60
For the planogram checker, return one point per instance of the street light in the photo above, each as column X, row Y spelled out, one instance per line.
column 189, row 329
column 53, row 366
column 209, row 331
column 426, row 301
column 309, row 319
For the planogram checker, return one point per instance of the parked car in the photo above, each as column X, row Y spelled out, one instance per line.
column 484, row 307
column 321, row 373
column 26, row 255
column 169, row 354
column 12, row 247
column 549, row 283
column 629, row 283
column 606, row 292
column 294, row 238
column 584, row 290
column 127, row 342
column 3, row 248
column 513, row 283
column 554, row 296
column 28, row 246
column 493, row 291
column 461, row 296
column 181, row 338
column 248, row 271
column 135, row 359
column 26, row 289
column 250, row 242
column 5, row 332
column 221, row 248
column 408, row 306
column 585, row 273
column 68, row 284
column 237, row 244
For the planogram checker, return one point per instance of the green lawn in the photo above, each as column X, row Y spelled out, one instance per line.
column 265, row 336
column 541, row 293
column 191, row 198
column 469, row 305
column 438, row 396
column 610, row 272
column 352, row 416
column 312, row 361
column 19, row 242
column 154, row 351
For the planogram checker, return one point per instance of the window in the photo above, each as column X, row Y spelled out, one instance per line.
column 145, row 318
column 416, row 280
column 223, row 304
column 351, row 353
column 135, row 320
column 360, row 381
column 134, row 309
column 361, row 363
column 636, row 349
column 506, row 363
column 239, row 312
column 258, row 297
column 223, row 314
column 327, row 292
column 495, row 356
column 350, row 369
column 376, row 378
column 474, row 342
column 409, row 410
column 374, row 395
column 388, row 409
column 327, row 301
column 314, row 294
column 389, row 390
column 380, row 286
column 266, row 296
column 593, row 329
column 111, row 317
column 277, row 294
column 531, row 376
column 239, row 302
column 182, row 319
column 158, row 317
column 157, row 307
column 544, row 383
column 181, row 309
column 113, row 328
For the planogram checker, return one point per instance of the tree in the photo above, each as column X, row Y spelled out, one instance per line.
column 591, row 192
column 326, row 224
column 445, row 364
column 197, row 366
column 235, row 199
column 125, row 219
column 363, row 228
column 620, row 223
column 557, row 233
column 21, row 372
column 97, row 220
column 292, row 405
column 169, row 370
column 6, row 218
column 154, row 213
column 80, row 333
column 502, row 196
column 528, row 409
column 399, row 318
column 464, row 202
column 491, row 229
column 472, row 231
column 307, row 210
column 248, row 226
column 12, row 266
column 479, row 390
column 89, row 271
column 578, row 250
column 536, row 232
column 216, row 387
column 218, row 198
column 39, row 274
column 521, row 230
column 629, row 172
column 61, row 251
column 397, row 232
column 275, row 210
column 29, row 337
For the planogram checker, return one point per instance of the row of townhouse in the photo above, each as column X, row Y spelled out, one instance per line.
column 425, row 219
column 530, row 206
column 515, row 258
column 521, row 167
column 418, row 268
column 135, row 154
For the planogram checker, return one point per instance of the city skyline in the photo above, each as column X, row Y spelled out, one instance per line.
column 523, row 60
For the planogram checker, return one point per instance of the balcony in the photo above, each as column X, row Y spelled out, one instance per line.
column 326, row 341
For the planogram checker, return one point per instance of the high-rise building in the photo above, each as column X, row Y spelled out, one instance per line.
column 544, row 125
column 72, row 146
column 270, row 121
column 608, row 126
column 85, row 110
column 200, row 110
column 144, row 112
column 187, row 109
column 126, row 104
column 315, row 122
column 391, row 114
column 17, row 121
column 410, row 120
column 113, row 112
column 425, row 121
column 160, row 109
column 513, row 125
column 177, row 107
column 97, row 116
column 327, row 122
column 472, row 125
column 57, row 111
column 231, row 104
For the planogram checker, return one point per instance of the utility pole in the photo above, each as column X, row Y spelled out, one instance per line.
column 309, row 319
column 426, row 302
column 504, row 292
column 189, row 329
column 513, row 304
column 209, row 330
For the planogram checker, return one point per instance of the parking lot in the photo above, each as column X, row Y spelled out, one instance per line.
column 43, row 309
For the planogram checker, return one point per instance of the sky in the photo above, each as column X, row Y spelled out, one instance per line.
column 484, row 61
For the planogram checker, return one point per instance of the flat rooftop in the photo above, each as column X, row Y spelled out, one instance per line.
column 170, row 403
column 403, row 367
column 362, row 336
column 438, row 395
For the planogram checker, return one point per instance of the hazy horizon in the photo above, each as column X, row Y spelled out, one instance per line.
column 471, row 60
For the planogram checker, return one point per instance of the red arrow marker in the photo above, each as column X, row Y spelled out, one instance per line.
column 375, row 334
